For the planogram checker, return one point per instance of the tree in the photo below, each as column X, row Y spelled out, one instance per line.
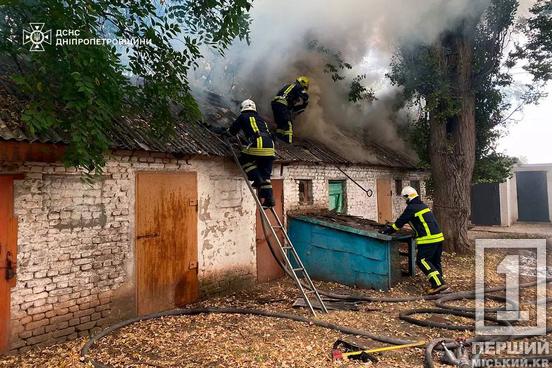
column 77, row 89
column 459, row 83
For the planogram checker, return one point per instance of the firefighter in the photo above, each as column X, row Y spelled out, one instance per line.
column 429, row 238
column 292, row 99
column 256, row 158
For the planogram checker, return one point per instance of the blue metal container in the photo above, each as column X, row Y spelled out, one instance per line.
column 347, row 255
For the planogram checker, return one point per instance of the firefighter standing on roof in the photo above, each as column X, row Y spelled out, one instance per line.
column 292, row 99
column 257, row 157
column 429, row 238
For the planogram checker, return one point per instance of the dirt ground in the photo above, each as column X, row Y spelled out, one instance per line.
column 231, row 340
column 517, row 230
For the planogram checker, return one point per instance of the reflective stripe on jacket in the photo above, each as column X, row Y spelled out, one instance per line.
column 422, row 221
column 291, row 94
column 256, row 131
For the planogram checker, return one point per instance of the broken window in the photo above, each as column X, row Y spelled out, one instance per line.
column 398, row 186
column 416, row 185
column 305, row 191
column 336, row 191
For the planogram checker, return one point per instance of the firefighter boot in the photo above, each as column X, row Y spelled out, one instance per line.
column 266, row 196
column 437, row 290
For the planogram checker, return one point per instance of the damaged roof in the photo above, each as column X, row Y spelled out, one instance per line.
column 189, row 139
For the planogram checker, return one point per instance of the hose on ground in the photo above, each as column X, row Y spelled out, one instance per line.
column 365, row 298
column 195, row 311
column 407, row 317
column 440, row 301
column 430, row 347
column 433, row 346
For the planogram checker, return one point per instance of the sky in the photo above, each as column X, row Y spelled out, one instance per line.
column 530, row 137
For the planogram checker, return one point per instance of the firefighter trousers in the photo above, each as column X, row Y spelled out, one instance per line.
column 282, row 117
column 428, row 259
column 259, row 170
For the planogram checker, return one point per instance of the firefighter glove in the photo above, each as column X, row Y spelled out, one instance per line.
column 387, row 230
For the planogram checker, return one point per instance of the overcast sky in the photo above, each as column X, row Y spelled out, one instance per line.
column 530, row 138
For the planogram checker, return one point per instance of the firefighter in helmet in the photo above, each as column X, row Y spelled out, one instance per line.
column 257, row 157
column 429, row 238
column 291, row 100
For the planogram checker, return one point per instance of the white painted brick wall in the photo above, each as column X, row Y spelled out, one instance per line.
column 357, row 202
column 75, row 263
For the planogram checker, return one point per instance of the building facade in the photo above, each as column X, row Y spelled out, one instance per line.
column 165, row 224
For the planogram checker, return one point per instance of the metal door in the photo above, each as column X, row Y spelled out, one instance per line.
column 385, row 203
column 267, row 268
column 485, row 204
column 336, row 198
column 532, row 196
column 8, row 256
column 166, row 240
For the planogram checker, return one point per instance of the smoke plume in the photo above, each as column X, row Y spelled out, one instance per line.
column 365, row 33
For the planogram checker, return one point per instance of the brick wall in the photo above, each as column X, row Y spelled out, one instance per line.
column 357, row 202
column 75, row 264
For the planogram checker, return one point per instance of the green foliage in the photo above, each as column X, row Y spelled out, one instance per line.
column 335, row 66
column 335, row 63
column 416, row 68
column 358, row 92
column 77, row 90
column 493, row 168
column 537, row 51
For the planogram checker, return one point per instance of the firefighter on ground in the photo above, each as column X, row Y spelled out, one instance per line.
column 429, row 238
column 292, row 99
column 256, row 158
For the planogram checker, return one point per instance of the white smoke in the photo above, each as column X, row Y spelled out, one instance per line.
column 365, row 32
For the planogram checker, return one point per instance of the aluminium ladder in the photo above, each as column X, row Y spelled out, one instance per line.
column 286, row 248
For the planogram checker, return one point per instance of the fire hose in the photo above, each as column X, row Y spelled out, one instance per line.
column 437, row 344
column 256, row 312
column 440, row 301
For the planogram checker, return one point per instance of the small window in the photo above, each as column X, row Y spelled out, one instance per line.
column 416, row 185
column 336, row 192
column 305, row 191
column 398, row 186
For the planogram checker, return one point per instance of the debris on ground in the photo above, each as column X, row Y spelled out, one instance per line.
column 230, row 340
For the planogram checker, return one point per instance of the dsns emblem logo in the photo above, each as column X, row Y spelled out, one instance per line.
column 36, row 36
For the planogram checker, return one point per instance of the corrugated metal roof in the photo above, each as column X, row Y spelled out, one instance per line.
column 128, row 134
column 189, row 138
column 307, row 151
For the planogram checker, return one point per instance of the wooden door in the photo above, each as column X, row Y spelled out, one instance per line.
column 8, row 256
column 267, row 268
column 166, row 240
column 385, row 200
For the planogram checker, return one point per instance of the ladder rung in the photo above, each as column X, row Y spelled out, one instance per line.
column 276, row 227
column 309, row 291
column 299, row 269
column 286, row 247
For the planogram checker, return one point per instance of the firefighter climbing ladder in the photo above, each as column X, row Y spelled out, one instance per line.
column 287, row 249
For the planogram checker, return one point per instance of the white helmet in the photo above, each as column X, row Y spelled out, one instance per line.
column 248, row 105
column 409, row 193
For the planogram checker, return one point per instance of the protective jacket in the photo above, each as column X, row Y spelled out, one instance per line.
column 256, row 131
column 422, row 221
column 294, row 96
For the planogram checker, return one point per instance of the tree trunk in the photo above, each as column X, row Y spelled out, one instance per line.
column 452, row 139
